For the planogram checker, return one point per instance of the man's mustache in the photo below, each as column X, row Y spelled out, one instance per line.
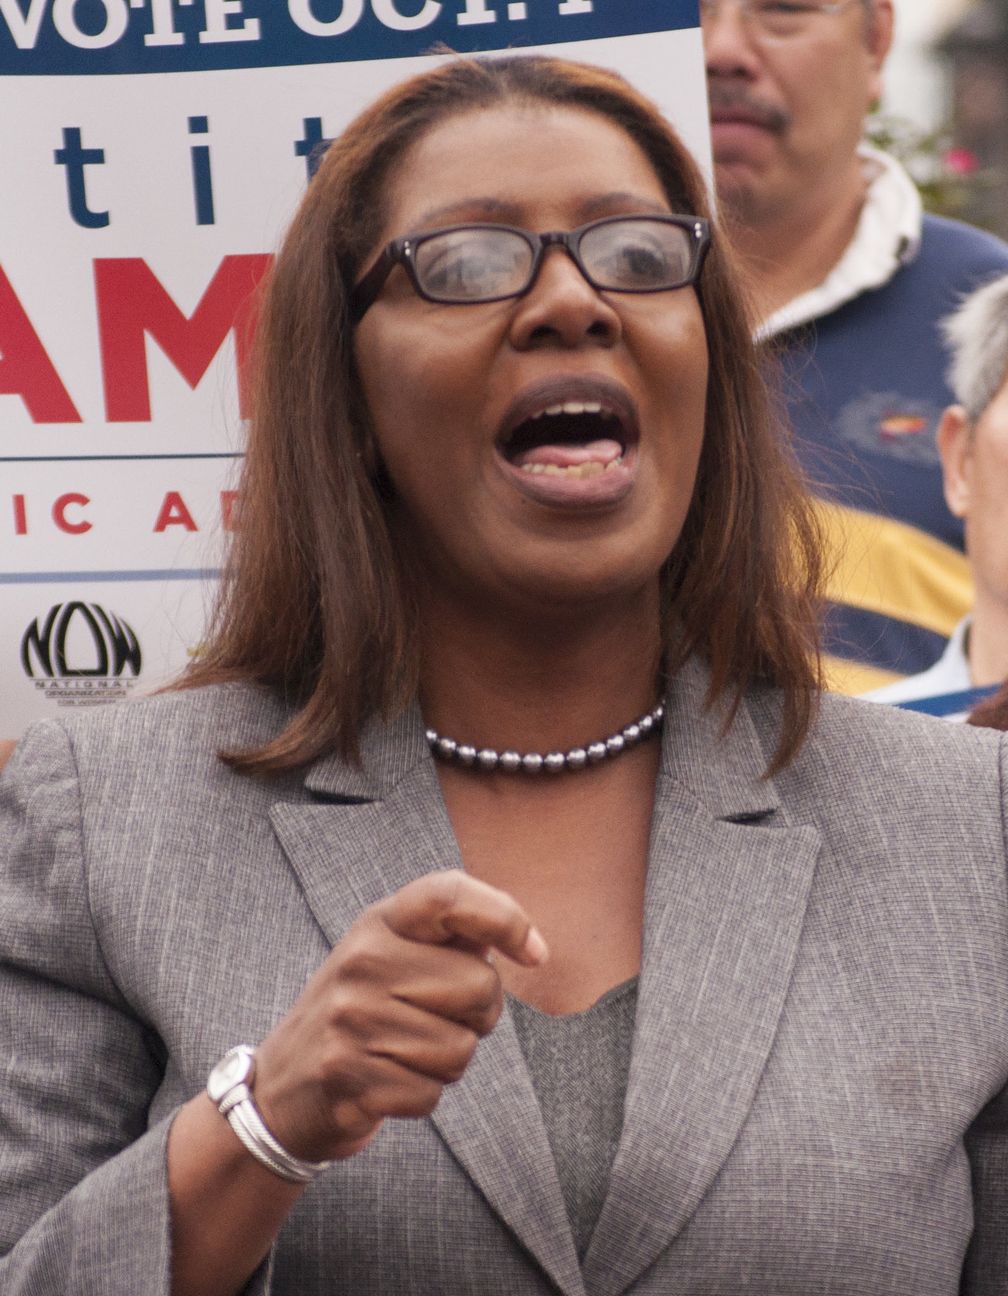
column 733, row 101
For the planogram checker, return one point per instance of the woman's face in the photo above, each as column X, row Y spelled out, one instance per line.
column 495, row 497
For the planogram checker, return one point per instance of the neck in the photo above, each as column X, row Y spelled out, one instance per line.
column 538, row 684
column 790, row 250
column 988, row 640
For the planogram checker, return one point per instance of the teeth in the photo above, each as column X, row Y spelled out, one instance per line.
column 572, row 407
column 590, row 469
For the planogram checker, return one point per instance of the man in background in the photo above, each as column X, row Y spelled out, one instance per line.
column 849, row 280
column 973, row 441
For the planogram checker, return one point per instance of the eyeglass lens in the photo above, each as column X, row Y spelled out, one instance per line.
column 472, row 264
column 780, row 18
column 477, row 264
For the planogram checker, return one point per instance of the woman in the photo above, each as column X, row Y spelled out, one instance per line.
column 513, row 689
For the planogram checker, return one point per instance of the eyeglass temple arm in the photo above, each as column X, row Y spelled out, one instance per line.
column 365, row 291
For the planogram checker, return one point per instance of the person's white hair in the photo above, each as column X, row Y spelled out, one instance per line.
column 977, row 333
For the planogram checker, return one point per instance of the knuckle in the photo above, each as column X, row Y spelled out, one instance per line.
column 350, row 1017
column 372, row 1104
column 485, row 1003
column 487, row 987
column 425, row 900
column 351, row 1120
column 439, row 891
column 484, row 1022
column 465, row 1051
column 360, row 959
column 338, row 1068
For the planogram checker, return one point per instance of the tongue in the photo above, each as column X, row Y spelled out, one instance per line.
column 570, row 455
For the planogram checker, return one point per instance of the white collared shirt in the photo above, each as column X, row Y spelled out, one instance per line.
column 887, row 236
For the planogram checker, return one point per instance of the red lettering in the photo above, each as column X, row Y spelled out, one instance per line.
column 132, row 303
column 59, row 513
column 229, row 509
column 20, row 516
column 25, row 367
column 173, row 512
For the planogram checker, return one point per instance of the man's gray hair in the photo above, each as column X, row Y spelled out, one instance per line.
column 977, row 332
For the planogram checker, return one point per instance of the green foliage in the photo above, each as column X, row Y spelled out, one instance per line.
column 950, row 179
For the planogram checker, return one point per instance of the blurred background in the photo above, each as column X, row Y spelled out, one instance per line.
column 945, row 108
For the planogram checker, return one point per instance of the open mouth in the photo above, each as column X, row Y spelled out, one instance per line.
column 571, row 439
column 555, row 435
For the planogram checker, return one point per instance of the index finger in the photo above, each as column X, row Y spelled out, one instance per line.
column 442, row 906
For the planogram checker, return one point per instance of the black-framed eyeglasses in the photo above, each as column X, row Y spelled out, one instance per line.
column 780, row 19
column 467, row 265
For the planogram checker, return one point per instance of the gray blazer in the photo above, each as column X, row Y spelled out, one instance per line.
column 816, row 1099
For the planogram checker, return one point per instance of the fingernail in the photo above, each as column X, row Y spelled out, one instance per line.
column 536, row 948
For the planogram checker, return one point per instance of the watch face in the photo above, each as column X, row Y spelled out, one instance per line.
column 234, row 1068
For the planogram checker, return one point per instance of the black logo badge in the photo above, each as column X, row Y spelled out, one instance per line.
column 80, row 654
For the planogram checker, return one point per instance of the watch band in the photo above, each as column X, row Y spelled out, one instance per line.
column 237, row 1106
column 251, row 1130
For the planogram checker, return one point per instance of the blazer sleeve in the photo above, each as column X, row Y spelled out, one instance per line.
column 986, row 1269
column 83, row 1185
column 84, row 1206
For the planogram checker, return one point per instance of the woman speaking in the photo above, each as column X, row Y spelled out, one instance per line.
column 495, row 908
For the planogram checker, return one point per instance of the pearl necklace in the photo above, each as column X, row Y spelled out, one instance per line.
column 578, row 758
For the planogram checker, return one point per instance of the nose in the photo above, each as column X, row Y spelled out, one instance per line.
column 563, row 309
column 729, row 46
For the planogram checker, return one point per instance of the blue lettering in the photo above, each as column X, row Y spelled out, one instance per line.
column 202, row 181
column 75, row 158
column 312, row 145
column 24, row 28
column 64, row 16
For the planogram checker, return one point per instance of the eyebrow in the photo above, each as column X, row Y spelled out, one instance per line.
column 510, row 213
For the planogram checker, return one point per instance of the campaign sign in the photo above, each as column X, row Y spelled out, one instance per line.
column 153, row 151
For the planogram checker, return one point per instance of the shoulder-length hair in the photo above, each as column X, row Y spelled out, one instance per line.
column 315, row 604
column 993, row 713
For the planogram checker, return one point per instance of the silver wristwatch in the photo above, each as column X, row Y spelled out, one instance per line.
column 229, row 1087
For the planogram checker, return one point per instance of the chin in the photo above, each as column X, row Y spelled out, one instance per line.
column 739, row 198
column 570, row 589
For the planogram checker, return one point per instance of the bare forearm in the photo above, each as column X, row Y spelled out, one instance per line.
column 226, row 1208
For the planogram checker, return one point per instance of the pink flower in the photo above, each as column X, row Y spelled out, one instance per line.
column 960, row 161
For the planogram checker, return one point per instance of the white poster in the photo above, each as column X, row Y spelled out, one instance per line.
column 152, row 152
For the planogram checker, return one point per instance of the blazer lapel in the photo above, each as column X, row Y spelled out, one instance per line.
column 726, row 894
column 492, row 1122
column 372, row 830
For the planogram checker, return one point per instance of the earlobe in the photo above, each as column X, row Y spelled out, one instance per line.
column 880, row 21
column 955, row 445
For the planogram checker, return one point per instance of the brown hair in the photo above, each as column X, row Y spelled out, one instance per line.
column 314, row 603
column 993, row 713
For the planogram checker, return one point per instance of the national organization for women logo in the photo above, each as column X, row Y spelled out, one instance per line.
column 79, row 654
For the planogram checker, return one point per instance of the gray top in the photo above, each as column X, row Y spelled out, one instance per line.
column 818, row 1094
column 579, row 1064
